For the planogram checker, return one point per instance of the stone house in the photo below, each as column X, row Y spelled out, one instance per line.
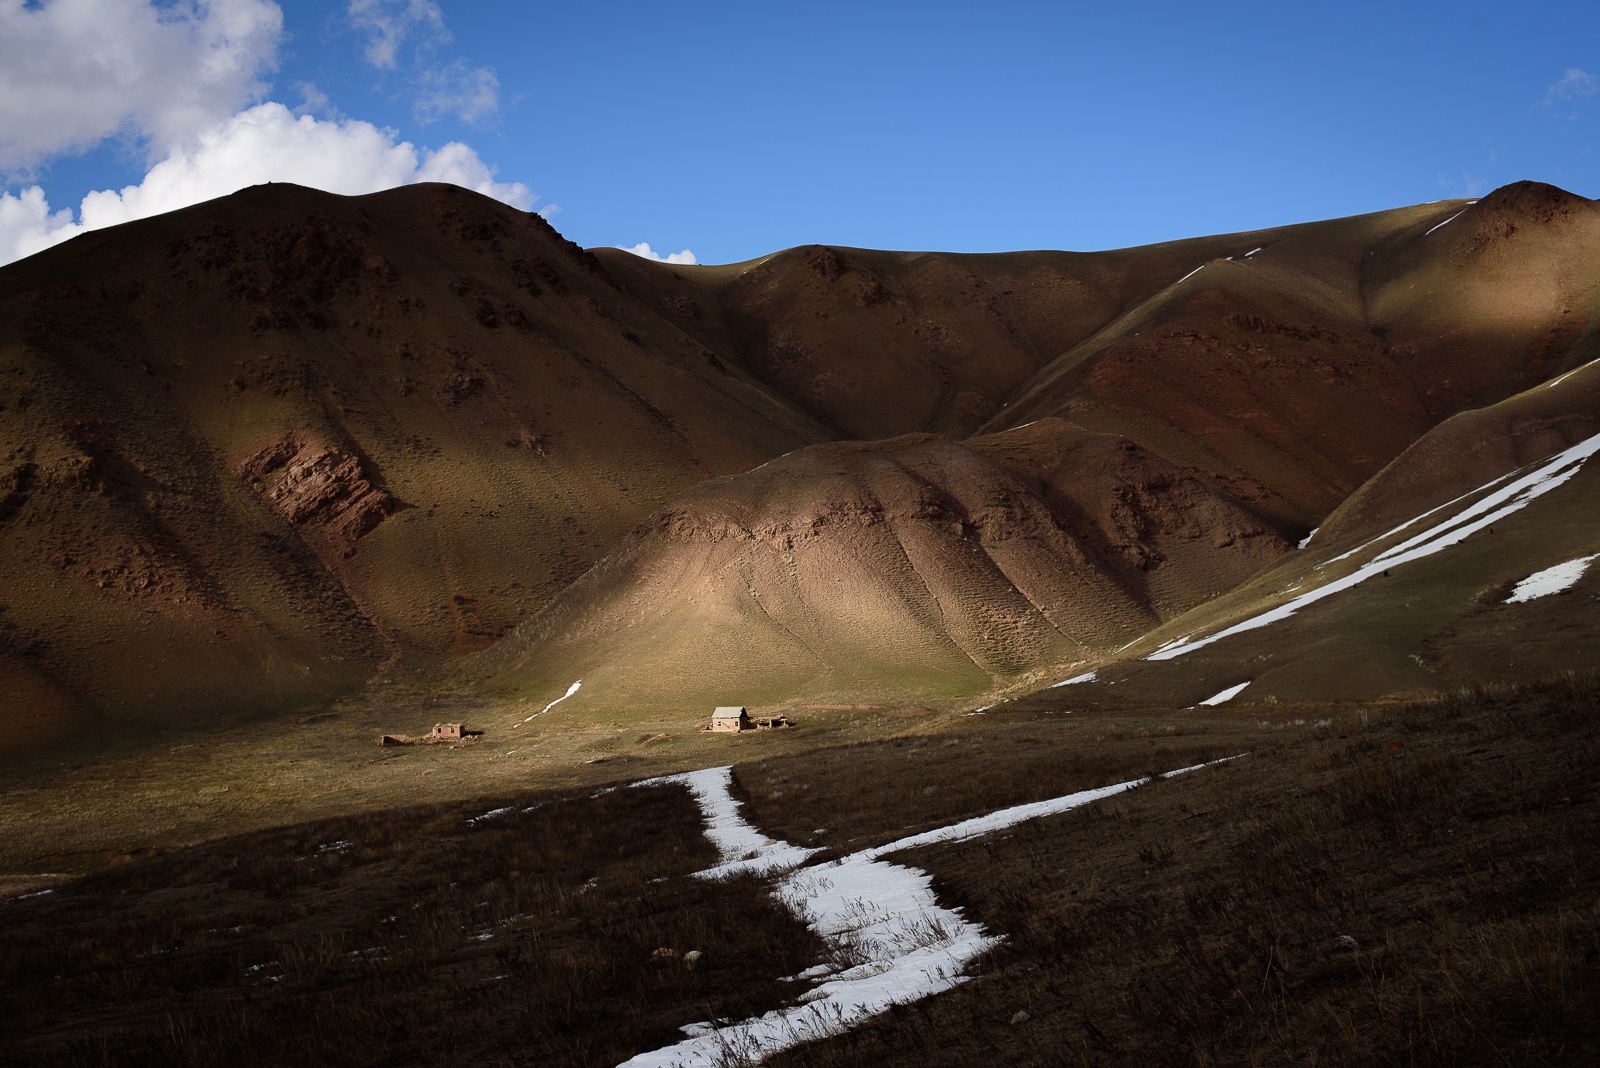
column 730, row 719
column 447, row 732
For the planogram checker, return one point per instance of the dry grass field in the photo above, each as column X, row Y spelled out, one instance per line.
column 1406, row 884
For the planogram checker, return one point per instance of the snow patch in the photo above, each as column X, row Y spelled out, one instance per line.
column 1087, row 676
column 1447, row 222
column 1307, row 539
column 743, row 848
column 570, row 691
column 884, row 915
column 1007, row 818
column 1227, row 695
column 1544, row 477
column 1551, row 580
column 1562, row 378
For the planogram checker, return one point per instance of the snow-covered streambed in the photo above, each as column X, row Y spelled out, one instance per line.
column 896, row 942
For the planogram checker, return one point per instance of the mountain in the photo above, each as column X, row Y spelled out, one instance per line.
column 274, row 447
column 1465, row 562
column 1257, row 394
column 257, row 450
column 915, row 565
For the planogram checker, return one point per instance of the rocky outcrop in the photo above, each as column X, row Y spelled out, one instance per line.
column 308, row 479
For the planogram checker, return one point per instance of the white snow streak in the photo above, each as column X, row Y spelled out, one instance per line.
column 1009, row 817
column 1087, row 676
column 1492, row 508
column 1551, row 580
column 1307, row 539
column 1562, row 378
column 743, row 848
column 884, row 915
column 1364, row 546
column 1190, row 275
column 1227, row 695
column 570, row 691
column 1253, row 251
column 1452, row 219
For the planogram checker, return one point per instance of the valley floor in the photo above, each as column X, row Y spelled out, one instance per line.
column 1412, row 884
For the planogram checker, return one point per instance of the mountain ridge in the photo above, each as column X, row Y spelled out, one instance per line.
column 268, row 449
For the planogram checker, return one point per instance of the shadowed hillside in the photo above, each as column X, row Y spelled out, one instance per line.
column 1464, row 562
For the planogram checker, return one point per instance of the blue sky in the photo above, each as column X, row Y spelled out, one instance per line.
column 733, row 129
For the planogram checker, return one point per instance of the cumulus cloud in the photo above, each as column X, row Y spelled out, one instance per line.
column 470, row 93
column 387, row 24
column 265, row 143
column 74, row 72
column 1573, row 85
column 643, row 249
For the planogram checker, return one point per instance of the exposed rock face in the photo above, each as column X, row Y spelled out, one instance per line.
column 308, row 479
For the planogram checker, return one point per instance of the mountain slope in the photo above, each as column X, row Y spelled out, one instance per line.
column 1466, row 561
column 255, row 449
column 916, row 565
column 274, row 447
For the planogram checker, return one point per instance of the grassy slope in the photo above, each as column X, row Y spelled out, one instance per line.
column 402, row 936
column 1425, row 626
column 914, row 568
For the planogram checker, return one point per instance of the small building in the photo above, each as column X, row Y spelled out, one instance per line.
column 447, row 732
column 730, row 719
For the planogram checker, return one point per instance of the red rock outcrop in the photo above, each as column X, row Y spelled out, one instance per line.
column 308, row 479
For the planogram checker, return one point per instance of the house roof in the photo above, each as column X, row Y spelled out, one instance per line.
column 729, row 710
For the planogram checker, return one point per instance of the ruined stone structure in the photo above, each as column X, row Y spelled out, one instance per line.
column 731, row 719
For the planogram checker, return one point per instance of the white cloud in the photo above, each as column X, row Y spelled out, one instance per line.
column 470, row 93
column 27, row 224
column 643, row 249
column 1573, row 85
column 74, row 72
column 261, row 144
column 387, row 24
column 314, row 101
column 1468, row 185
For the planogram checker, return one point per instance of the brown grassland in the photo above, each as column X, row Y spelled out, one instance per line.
column 1402, row 884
